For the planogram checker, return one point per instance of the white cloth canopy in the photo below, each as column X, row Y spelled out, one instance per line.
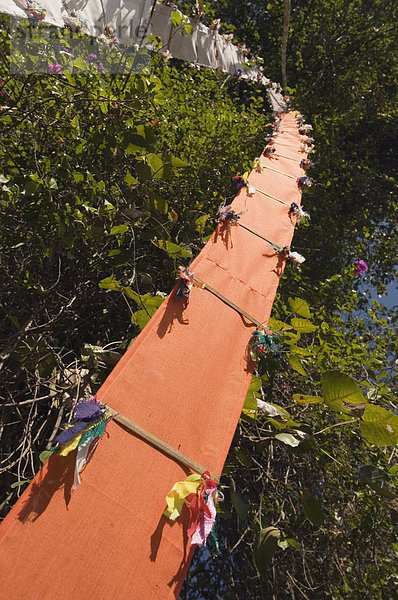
column 130, row 21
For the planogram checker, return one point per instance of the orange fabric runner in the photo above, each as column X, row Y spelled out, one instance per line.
column 184, row 380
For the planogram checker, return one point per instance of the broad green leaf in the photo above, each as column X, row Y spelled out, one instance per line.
column 200, row 223
column 143, row 316
column 303, row 325
column 110, row 283
column 338, row 389
column 312, row 509
column 265, row 548
column 45, row 455
column 250, row 405
column 288, row 439
column 307, row 399
column 242, row 457
column 176, row 17
column 161, row 168
column 158, row 203
column 239, row 503
column 296, row 364
column 379, row 426
column 178, row 163
column 80, row 64
column 119, row 230
column 172, row 249
column 300, row 351
column 78, row 177
column 300, row 307
column 130, row 180
column 370, row 474
column 276, row 325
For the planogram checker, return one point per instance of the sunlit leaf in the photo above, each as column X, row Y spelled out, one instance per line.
column 300, row 307
column 265, row 548
column 303, row 325
column 338, row 388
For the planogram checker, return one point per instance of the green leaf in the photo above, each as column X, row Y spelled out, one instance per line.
column 242, row 457
column 200, row 223
column 80, row 64
column 176, row 18
column 276, row 325
column 379, row 426
column 78, row 177
column 173, row 250
column 110, row 283
column 370, row 474
column 17, row 484
column 142, row 317
column 300, row 307
column 158, row 203
column 250, row 405
column 338, row 389
column 130, row 180
column 312, row 509
column 161, row 169
column 119, row 230
column 288, row 439
column 307, row 399
column 178, row 163
column 303, row 325
column 239, row 503
column 265, row 548
column 45, row 455
column 296, row 364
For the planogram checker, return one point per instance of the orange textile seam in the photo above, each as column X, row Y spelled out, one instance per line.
column 184, row 380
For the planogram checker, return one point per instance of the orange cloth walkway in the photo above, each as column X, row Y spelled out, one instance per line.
column 184, row 379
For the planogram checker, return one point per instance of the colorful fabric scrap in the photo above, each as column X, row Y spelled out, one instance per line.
column 258, row 164
column 227, row 213
column 91, row 419
column 185, row 285
column 295, row 258
column 34, row 11
column 200, row 494
column 295, row 209
column 304, row 181
column 239, row 182
column 306, row 163
column 263, row 342
column 74, row 22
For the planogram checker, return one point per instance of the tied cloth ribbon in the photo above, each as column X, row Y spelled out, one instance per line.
column 184, row 285
column 91, row 419
column 34, row 11
column 200, row 494
column 263, row 342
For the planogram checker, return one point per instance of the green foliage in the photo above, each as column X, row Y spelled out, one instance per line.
column 109, row 183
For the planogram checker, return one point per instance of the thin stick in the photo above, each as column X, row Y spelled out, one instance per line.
column 204, row 285
column 273, row 197
column 158, row 444
column 260, row 235
column 280, row 172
